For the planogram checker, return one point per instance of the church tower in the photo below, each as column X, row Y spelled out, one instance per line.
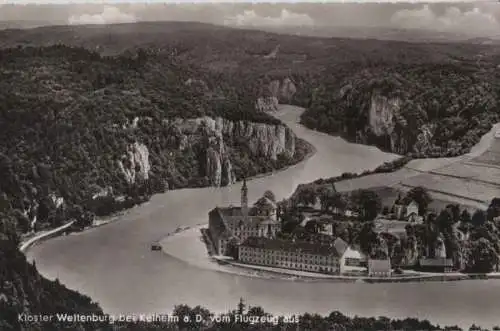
column 244, row 198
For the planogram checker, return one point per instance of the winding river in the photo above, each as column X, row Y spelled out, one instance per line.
column 115, row 266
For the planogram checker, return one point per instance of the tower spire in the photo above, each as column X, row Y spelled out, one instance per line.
column 244, row 198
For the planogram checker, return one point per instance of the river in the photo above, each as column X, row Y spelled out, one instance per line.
column 114, row 265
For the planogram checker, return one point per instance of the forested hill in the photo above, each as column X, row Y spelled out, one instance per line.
column 425, row 110
column 427, row 99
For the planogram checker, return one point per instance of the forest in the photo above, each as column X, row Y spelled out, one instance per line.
column 419, row 110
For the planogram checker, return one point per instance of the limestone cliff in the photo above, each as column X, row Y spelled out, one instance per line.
column 276, row 91
column 388, row 126
column 217, row 135
column 283, row 90
column 135, row 163
column 267, row 104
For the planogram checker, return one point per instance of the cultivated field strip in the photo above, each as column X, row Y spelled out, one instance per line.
column 375, row 180
column 460, row 187
column 489, row 157
column 484, row 174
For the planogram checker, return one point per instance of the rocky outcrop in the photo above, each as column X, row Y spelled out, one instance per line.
column 267, row 104
column 382, row 115
column 424, row 138
column 263, row 140
column 134, row 165
column 283, row 90
column 385, row 121
column 277, row 91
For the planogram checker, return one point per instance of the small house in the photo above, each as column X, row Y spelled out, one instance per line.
column 438, row 264
column 407, row 210
column 379, row 268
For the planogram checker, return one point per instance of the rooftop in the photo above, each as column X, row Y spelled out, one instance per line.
column 436, row 262
column 340, row 245
column 291, row 246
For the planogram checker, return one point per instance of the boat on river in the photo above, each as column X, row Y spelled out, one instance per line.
column 155, row 247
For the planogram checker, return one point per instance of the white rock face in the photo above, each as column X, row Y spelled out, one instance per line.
column 382, row 113
column 267, row 104
column 264, row 140
column 278, row 91
column 385, row 114
column 137, row 164
column 283, row 90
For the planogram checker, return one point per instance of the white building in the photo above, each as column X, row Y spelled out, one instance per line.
column 379, row 268
column 235, row 224
column 303, row 256
column 408, row 211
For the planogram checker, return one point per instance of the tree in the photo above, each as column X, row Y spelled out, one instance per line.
column 367, row 237
column 385, row 210
column 369, row 203
column 493, row 209
column 306, row 195
column 465, row 216
column 338, row 201
column 454, row 211
column 270, row 195
column 482, row 258
column 314, row 226
column 478, row 218
column 232, row 248
column 324, row 198
column 445, row 221
column 420, row 195
column 241, row 307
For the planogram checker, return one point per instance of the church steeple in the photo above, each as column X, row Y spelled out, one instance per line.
column 244, row 198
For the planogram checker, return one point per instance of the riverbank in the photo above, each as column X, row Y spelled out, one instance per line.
column 175, row 243
column 43, row 235
column 311, row 150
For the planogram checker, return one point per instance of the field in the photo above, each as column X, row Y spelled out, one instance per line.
column 490, row 158
column 475, row 172
column 476, row 179
column 375, row 180
column 470, row 180
column 461, row 187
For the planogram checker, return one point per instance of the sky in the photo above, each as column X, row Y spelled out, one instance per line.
column 473, row 17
